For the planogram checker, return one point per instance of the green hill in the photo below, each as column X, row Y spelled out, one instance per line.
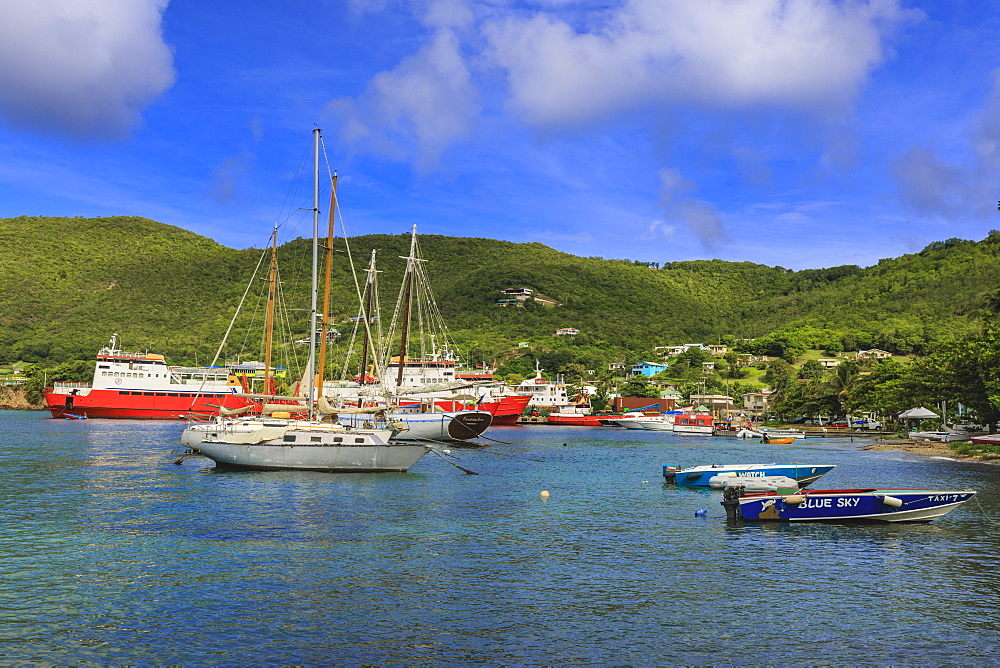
column 66, row 284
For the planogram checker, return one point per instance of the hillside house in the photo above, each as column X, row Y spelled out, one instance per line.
column 828, row 362
column 717, row 351
column 873, row 354
column 567, row 331
column 756, row 404
column 515, row 296
column 518, row 296
column 745, row 359
column 648, row 368
column 719, row 404
column 674, row 351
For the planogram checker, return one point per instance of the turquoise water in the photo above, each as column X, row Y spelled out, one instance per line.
column 114, row 554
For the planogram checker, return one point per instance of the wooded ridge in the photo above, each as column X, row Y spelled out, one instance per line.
column 67, row 284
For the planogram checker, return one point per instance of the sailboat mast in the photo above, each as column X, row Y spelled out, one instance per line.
column 272, row 283
column 367, row 314
column 407, row 300
column 315, row 271
column 325, row 319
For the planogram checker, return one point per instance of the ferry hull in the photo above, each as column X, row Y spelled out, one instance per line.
column 139, row 405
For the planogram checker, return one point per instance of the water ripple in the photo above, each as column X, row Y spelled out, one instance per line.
column 114, row 554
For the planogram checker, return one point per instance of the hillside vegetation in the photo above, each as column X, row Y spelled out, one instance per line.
column 67, row 284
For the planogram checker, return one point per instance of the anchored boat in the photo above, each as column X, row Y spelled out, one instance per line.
column 701, row 476
column 849, row 505
column 310, row 444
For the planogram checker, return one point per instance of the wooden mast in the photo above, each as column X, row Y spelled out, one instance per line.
column 407, row 299
column 326, row 288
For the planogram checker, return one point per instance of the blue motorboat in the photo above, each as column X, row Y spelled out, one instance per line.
column 701, row 476
column 851, row 505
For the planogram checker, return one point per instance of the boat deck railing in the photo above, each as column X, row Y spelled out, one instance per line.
column 65, row 385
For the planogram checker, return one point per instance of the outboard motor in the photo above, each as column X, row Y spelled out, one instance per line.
column 670, row 473
column 731, row 502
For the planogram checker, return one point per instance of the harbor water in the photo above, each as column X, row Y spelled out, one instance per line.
column 115, row 553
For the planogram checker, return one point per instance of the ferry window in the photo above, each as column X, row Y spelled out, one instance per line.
column 149, row 394
column 104, row 373
column 338, row 439
column 315, row 439
column 359, row 440
column 161, row 394
column 172, row 394
column 289, row 439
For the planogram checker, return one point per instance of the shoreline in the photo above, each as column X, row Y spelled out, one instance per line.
column 931, row 449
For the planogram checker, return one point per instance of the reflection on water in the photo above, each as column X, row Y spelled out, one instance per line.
column 112, row 553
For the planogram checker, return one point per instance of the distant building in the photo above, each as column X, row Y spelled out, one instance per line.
column 518, row 296
column 674, row 351
column 648, row 368
column 717, row 351
column 616, row 366
column 750, row 360
column 828, row 362
column 719, row 404
column 757, row 403
column 567, row 331
column 672, row 394
column 873, row 354
column 515, row 296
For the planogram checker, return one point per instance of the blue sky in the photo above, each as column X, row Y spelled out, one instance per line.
column 806, row 133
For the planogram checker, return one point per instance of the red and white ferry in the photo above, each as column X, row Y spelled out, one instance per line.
column 140, row 386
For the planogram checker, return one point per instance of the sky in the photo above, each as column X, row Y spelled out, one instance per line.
column 798, row 133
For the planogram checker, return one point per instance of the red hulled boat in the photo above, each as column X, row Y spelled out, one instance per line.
column 140, row 386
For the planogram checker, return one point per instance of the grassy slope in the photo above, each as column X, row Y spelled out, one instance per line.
column 67, row 283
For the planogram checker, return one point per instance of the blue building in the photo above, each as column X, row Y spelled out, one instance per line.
column 648, row 368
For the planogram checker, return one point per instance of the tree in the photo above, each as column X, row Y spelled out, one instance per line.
column 638, row 386
column 779, row 375
column 811, row 369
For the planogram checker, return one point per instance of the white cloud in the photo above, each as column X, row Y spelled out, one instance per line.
column 226, row 177
column 811, row 54
column 418, row 110
column 447, row 14
column 81, row 67
column 962, row 186
column 701, row 217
